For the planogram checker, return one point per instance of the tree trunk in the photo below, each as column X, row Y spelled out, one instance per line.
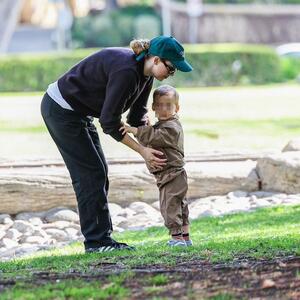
column 41, row 186
column 111, row 5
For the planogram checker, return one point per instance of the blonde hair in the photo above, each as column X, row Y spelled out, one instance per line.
column 165, row 90
column 138, row 46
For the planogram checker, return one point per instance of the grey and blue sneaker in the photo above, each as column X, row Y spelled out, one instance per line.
column 189, row 243
column 176, row 243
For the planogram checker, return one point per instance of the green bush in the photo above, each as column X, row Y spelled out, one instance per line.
column 214, row 65
column 290, row 67
column 229, row 64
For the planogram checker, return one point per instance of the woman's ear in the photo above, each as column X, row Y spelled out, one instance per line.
column 177, row 108
column 156, row 60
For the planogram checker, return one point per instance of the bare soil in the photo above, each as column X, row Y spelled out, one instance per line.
column 278, row 278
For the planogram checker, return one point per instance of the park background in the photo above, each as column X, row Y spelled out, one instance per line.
column 240, row 102
column 242, row 95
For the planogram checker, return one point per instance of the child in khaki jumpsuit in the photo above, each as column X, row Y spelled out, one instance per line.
column 167, row 136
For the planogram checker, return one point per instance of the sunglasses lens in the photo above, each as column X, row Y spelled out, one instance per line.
column 171, row 69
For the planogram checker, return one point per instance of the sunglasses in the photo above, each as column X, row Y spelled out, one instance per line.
column 171, row 70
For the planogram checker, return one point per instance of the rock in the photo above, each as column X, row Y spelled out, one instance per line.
column 26, row 216
column 5, row 219
column 144, row 208
column 281, row 172
column 139, row 222
column 63, row 214
column 127, row 213
column 292, row 145
column 156, row 205
column 2, row 234
column 71, row 232
column 117, row 220
column 41, row 233
column 13, row 234
column 118, row 229
column 262, row 194
column 36, row 221
column 57, row 225
column 8, row 243
column 261, row 203
column 35, row 240
column 26, row 249
column 23, row 226
column 197, row 208
column 114, row 209
column 292, row 199
column 57, row 234
column 220, row 178
column 237, row 194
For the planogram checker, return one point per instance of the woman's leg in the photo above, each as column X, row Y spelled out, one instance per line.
column 87, row 169
column 95, row 138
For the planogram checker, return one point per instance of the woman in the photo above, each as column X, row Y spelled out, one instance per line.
column 105, row 85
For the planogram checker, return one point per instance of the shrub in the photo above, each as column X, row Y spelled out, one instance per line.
column 214, row 65
column 290, row 67
column 229, row 64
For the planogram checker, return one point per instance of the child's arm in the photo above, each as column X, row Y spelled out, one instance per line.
column 157, row 137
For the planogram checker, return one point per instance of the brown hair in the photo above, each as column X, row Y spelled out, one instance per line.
column 139, row 46
column 165, row 90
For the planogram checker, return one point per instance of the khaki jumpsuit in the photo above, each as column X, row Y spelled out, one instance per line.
column 167, row 137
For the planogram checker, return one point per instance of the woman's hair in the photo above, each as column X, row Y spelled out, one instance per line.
column 139, row 46
column 165, row 90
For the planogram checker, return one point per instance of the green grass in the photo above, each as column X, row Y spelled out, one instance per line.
column 67, row 289
column 265, row 233
column 220, row 119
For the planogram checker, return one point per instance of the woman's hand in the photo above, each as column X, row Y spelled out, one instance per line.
column 128, row 129
column 151, row 159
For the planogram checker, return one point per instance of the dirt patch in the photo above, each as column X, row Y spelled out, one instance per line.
column 242, row 279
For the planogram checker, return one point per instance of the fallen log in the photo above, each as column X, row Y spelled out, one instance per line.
column 25, row 187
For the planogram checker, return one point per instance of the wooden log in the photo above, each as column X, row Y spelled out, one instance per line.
column 41, row 187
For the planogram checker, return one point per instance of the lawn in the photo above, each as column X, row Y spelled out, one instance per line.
column 234, row 257
column 220, row 119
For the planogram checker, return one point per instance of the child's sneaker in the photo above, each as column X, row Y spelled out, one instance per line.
column 176, row 243
column 189, row 243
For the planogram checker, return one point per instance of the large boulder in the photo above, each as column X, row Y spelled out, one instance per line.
column 280, row 172
column 292, row 145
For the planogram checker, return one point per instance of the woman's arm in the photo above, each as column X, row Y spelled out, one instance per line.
column 147, row 153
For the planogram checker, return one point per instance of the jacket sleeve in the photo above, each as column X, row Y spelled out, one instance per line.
column 138, row 111
column 120, row 87
column 157, row 137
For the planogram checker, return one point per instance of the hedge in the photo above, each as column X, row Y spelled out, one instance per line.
column 214, row 65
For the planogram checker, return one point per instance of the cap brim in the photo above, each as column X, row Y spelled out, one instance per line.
column 182, row 66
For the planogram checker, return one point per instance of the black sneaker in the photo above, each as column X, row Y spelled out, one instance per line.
column 110, row 247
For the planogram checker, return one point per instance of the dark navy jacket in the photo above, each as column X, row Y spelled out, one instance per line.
column 105, row 85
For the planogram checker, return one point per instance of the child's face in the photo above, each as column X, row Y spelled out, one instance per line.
column 165, row 107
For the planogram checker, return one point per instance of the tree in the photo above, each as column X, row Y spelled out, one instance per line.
column 111, row 5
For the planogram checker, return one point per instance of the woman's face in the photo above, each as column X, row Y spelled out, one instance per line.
column 162, row 69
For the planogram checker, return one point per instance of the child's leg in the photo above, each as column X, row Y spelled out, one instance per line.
column 171, row 195
column 170, row 207
column 185, row 212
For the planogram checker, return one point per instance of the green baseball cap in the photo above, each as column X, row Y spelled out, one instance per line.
column 168, row 48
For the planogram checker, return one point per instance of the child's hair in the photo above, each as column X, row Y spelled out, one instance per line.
column 165, row 90
column 139, row 46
